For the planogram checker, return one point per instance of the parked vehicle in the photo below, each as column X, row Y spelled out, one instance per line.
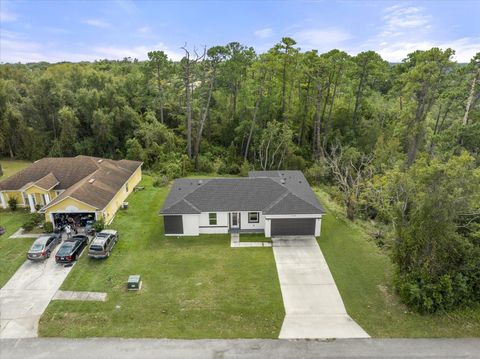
column 71, row 249
column 103, row 243
column 43, row 247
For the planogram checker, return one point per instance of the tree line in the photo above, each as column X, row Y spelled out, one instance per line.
column 395, row 143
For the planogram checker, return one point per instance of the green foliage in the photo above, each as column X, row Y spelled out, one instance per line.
column 317, row 173
column 99, row 225
column 48, row 227
column 160, row 181
column 282, row 109
column 12, row 203
column 33, row 221
column 432, row 207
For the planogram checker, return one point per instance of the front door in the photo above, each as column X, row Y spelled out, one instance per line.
column 235, row 220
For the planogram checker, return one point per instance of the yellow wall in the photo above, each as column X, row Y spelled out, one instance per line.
column 62, row 205
column 110, row 210
column 107, row 213
column 17, row 195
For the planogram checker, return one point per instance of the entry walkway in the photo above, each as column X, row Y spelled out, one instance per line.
column 313, row 305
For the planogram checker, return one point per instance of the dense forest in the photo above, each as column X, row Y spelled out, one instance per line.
column 395, row 144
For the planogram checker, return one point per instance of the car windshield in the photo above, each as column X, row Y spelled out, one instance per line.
column 36, row 247
column 102, row 234
column 65, row 249
column 96, row 247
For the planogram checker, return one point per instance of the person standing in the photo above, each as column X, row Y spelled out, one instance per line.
column 68, row 231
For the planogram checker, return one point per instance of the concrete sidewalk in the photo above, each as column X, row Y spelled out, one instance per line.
column 313, row 305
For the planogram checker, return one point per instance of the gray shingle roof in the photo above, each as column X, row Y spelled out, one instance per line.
column 273, row 192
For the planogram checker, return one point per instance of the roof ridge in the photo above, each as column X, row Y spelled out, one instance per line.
column 191, row 204
column 184, row 198
column 277, row 200
column 293, row 194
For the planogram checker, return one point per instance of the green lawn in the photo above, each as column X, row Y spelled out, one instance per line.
column 11, row 166
column 12, row 251
column 363, row 274
column 254, row 237
column 193, row 287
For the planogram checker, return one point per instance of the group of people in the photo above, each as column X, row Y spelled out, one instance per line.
column 70, row 226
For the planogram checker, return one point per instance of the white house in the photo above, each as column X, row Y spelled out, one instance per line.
column 276, row 203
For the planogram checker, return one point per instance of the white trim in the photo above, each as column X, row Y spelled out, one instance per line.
column 272, row 216
column 236, row 226
column 2, row 201
column 31, row 202
column 43, row 189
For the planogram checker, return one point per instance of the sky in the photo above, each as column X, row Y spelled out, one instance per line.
column 69, row 30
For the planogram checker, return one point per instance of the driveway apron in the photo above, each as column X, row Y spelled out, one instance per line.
column 313, row 305
column 26, row 296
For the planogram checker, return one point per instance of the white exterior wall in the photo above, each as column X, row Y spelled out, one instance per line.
column 244, row 221
column 190, row 225
column 222, row 225
column 3, row 202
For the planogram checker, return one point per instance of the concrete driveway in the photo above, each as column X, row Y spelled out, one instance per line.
column 26, row 296
column 313, row 305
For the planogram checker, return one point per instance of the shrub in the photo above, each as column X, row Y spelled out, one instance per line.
column 245, row 168
column 206, row 165
column 48, row 227
column 33, row 221
column 37, row 207
column 160, row 181
column 12, row 203
column 316, row 173
column 99, row 225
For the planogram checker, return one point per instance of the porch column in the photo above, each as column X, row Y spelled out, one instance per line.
column 3, row 201
column 31, row 203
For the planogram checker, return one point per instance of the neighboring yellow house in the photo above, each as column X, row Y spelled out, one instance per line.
column 80, row 187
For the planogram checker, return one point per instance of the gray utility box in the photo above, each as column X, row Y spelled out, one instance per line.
column 134, row 282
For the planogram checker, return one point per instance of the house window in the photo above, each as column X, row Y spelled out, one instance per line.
column 253, row 217
column 212, row 219
column 25, row 198
column 126, row 186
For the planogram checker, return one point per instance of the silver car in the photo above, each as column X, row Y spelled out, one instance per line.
column 43, row 247
column 103, row 243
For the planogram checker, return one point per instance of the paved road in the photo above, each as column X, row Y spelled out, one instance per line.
column 313, row 305
column 26, row 296
column 238, row 349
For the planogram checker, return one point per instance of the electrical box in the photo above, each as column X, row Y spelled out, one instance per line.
column 134, row 282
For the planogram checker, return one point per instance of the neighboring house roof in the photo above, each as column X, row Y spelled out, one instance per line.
column 272, row 192
column 90, row 180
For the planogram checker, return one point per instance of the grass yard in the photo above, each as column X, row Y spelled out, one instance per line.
column 12, row 251
column 11, row 166
column 363, row 274
column 193, row 287
column 254, row 237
